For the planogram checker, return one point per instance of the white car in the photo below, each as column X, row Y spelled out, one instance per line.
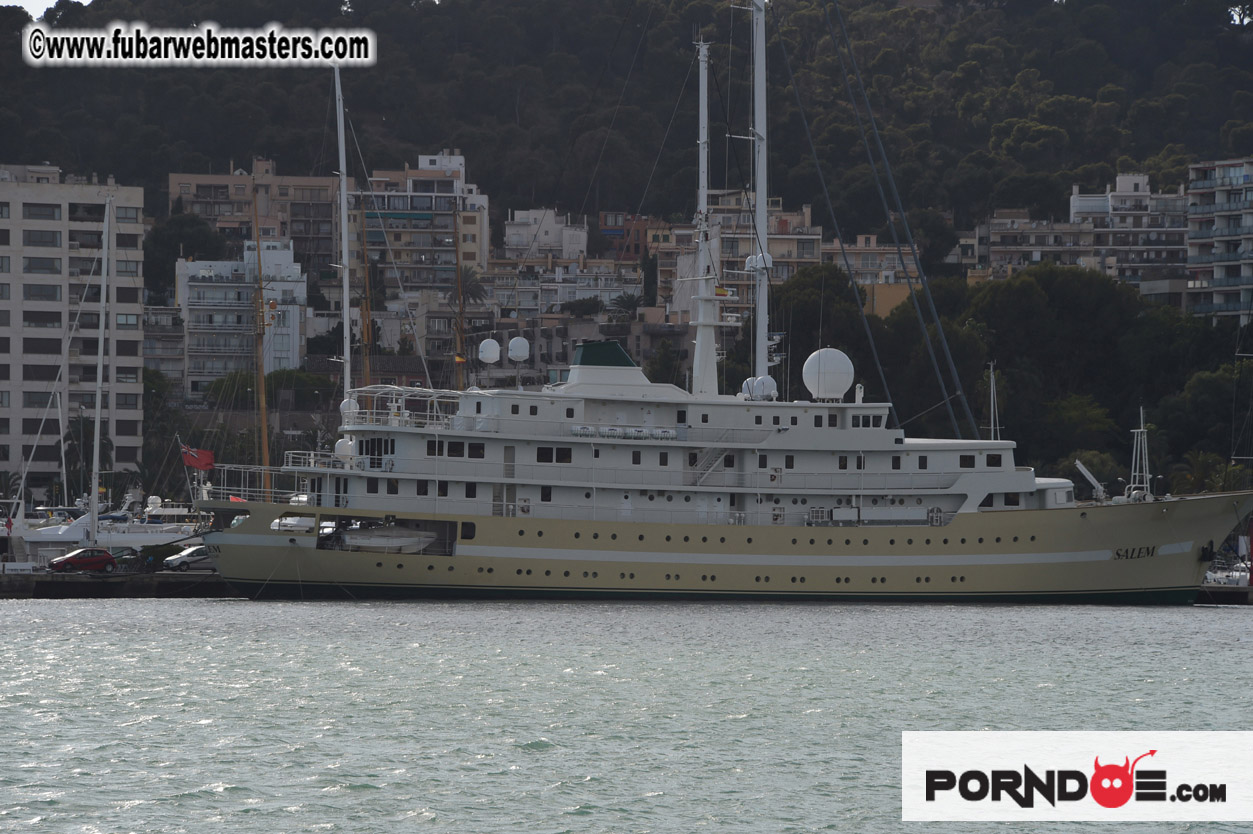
column 197, row 556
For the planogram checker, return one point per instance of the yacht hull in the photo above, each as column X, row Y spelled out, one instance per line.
column 1136, row 553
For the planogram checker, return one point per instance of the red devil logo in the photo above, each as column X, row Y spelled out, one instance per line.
column 1111, row 785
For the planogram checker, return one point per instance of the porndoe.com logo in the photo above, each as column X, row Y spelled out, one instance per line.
column 1042, row 776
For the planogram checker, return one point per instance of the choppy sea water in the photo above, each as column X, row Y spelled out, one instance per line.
column 232, row 716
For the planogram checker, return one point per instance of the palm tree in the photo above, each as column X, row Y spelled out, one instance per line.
column 623, row 307
column 472, row 290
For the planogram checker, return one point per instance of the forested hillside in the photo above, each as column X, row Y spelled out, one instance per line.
column 983, row 103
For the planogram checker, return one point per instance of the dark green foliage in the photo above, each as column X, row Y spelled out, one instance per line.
column 583, row 307
column 173, row 238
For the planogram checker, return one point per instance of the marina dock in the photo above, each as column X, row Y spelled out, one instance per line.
column 161, row 585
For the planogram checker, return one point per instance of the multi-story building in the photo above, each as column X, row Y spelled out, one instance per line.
column 164, row 348
column 1138, row 236
column 217, row 302
column 414, row 226
column 1220, row 239
column 51, row 248
column 303, row 210
column 542, row 232
column 1015, row 242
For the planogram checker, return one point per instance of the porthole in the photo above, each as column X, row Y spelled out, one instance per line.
column 961, row 579
column 749, row 540
column 918, row 501
column 704, row 539
column 847, row 580
column 519, row 571
column 585, row 574
column 596, row 535
column 874, row 580
column 1015, row 538
column 687, row 499
column 811, row 541
column 847, row 542
column 587, row 495
column 874, row 501
column 804, row 501
column 722, row 539
column 622, row 576
column 685, row 538
column 793, row 541
column 998, row 539
column 565, row 573
column 793, row 580
column 613, row 537
column 595, row 574
column 576, row 535
column 767, row 578
column 704, row 578
column 952, row 579
column 829, row 542
column 430, row 567
column 713, row 577
column 892, row 541
column 865, row 542
column 667, row 538
column 378, row 564
column 548, row 573
column 630, row 576
column 918, row 579
column 491, row 570
column 981, row 540
column 794, row 502
column 528, row 571
column 1033, row 538
column 883, row 580
column 539, row 534
column 651, row 497
column 398, row 566
column 676, row 577
column 667, row 576
column 669, row 497
column 928, row 541
column 837, row 580
column 802, row 580
column 756, row 578
column 946, row 541
column 521, row 532
column 641, row 537
column 926, row 579
column 963, row 541
column 626, row 496
column 450, row 567
column 480, row 570
column 909, row 541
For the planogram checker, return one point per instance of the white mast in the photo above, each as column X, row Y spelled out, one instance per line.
column 759, row 264
column 1141, row 481
column 94, row 500
column 704, row 357
column 343, row 236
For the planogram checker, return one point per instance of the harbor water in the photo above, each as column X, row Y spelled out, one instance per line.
column 232, row 716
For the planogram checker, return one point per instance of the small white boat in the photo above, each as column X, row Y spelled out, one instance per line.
column 386, row 539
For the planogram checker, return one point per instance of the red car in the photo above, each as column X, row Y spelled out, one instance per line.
column 85, row 558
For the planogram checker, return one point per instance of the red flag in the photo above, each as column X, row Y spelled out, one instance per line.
column 196, row 458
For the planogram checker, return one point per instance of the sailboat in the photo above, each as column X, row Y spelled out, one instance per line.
column 610, row 486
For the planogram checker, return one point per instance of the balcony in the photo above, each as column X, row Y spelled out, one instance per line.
column 1220, row 208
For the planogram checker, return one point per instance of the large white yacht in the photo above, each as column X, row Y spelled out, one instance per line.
column 607, row 485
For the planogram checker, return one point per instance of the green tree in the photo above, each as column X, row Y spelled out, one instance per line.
column 664, row 364
column 172, row 239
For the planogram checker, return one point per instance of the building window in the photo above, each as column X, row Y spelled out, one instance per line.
column 41, row 237
column 127, row 321
column 41, row 318
column 41, row 211
column 36, row 399
column 127, row 428
column 126, row 214
column 127, row 401
column 41, row 292
column 127, row 348
column 43, row 266
column 127, row 374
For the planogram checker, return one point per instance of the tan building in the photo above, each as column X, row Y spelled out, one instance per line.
column 303, row 210
column 51, row 245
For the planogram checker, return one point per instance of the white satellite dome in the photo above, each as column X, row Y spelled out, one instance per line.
column 489, row 351
column 760, row 388
column 344, row 448
column 348, row 406
column 519, row 349
column 828, row 374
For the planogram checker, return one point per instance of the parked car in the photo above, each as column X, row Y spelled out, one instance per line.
column 197, row 556
column 85, row 558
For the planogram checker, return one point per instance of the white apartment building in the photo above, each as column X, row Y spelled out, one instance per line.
column 217, row 302
column 51, row 248
column 1220, row 239
column 1138, row 236
column 540, row 233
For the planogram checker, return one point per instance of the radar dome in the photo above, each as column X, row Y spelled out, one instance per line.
column 344, row 448
column 489, row 351
column 519, row 349
column 348, row 406
column 828, row 373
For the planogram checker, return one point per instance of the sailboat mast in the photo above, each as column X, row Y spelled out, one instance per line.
column 260, row 344
column 94, row 500
column 343, row 235
column 761, row 265
column 704, row 356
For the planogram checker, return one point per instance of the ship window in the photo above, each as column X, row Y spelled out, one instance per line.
column 789, row 461
column 565, row 454
column 794, row 421
column 776, row 419
column 922, row 461
column 476, row 450
column 967, row 461
column 513, row 409
column 570, row 413
column 987, row 501
column 896, row 461
column 877, row 420
column 757, row 419
column 663, row 458
column 456, row 449
column 434, row 448
column 393, row 486
column 534, row 410
column 1012, row 499
column 422, row 487
column 761, row 462
column 817, row 421
column 691, row 458
column 544, row 454
column 441, row 489
column 472, row 489
column 1070, row 496
column 856, row 421
column 681, row 417
column 704, row 418
column 596, row 453
column 478, row 406
column 372, row 485
column 545, row 493
column 994, row 460
column 467, row 530
column 844, row 461
column 728, row 461
column 635, row 457
column 861, row 461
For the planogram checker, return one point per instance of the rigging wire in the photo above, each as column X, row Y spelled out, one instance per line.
column 848, row 267
column 948, row 356
column 673, row 114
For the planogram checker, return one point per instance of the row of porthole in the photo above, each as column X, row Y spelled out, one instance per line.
column 749, row 540
column 401, row 565
column 566, row 574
